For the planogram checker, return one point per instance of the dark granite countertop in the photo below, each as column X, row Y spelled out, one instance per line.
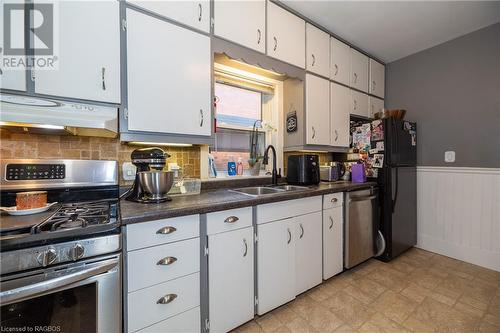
column 221, row 199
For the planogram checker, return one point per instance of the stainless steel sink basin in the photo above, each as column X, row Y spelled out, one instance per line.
column 257, row 191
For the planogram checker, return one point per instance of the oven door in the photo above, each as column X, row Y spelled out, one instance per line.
column 79, row 297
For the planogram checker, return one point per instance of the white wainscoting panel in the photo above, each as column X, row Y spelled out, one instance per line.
column 459, row 213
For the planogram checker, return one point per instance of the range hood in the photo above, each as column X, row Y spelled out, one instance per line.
column 43, row 115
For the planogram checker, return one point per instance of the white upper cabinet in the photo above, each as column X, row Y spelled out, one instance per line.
column 375, row 105
column 340, row 61
column 359, row 71
column 286, row 36
column 317, row 110
column 195, row 14
column 317, row 51
column 377, row 78
column 340, row 103
column 89, row 53
column 168, row 92
column 359, row 104
column 242, row 22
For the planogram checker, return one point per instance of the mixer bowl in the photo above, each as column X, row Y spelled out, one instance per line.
column 156, row 183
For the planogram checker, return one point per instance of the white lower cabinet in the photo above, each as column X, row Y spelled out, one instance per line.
column 231, row 279
column 186, row 322
column 307, row 252
column 275, row 264
column 333, row 259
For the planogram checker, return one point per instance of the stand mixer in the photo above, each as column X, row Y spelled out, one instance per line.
column 151, row 183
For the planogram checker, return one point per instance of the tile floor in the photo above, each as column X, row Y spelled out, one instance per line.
column 418, row 292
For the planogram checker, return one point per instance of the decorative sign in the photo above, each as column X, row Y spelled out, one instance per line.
column 291, row 121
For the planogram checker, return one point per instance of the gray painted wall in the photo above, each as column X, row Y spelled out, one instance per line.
column 453, row 92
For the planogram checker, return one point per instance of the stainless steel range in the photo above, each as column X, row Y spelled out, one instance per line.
column 60, row 269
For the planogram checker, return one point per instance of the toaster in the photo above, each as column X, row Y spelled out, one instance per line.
column 303, row 169
column 331, row 172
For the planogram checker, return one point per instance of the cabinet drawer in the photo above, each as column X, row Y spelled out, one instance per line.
column 229, row 220
column 188, row 321
column 163, row 231
column 285, row 209
column 161, row 263
column 145, row 307
column 333, row 200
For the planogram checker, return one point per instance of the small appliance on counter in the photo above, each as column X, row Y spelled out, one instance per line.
column 151, row 183
column 358, row 173
column 332, row 171
column 303, row 170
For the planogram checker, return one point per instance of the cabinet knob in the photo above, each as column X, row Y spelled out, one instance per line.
column 336, row 69
column 331, row 223
column 355, row 102
column 259, row 33
column 275, row 43
column 231, row 219
column 103, row 78
column 201, row 118
column 200, row 12
column 301, row 231
column 167, row 299
column 373, row 85
column 334, row 200
column 166, row 230
column 166, row 261
column 314, row 132
column 336, row 135
column 289, row 235
column 355, row 77
column 314, row 59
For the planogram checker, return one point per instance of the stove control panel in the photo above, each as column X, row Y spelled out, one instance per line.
column 35, row 171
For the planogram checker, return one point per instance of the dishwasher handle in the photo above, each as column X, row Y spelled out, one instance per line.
column 363, row 198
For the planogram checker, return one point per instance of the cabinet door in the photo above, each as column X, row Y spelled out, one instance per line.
column 167, row 96
column 249, row 29
column 231, row 279
column 376, row 105
column 359, row 104
column 340, row 104
column 275, row 264
column 333, row 257
column 377, row 78
column 359, row 71
column 340, row 61
column 317, row 110
column 308, row 264
column 317, row 50
column 195, row 14
column 286, row 36
column 89, row 53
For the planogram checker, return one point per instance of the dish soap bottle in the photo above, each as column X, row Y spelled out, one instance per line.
column 231, row 167
column 239, row 167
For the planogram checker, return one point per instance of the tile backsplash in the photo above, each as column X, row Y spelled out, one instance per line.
column 19, row 145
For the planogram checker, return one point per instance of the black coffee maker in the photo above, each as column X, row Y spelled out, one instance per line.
column 146, row 159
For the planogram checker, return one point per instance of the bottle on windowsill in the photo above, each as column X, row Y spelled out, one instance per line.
column 239, row 167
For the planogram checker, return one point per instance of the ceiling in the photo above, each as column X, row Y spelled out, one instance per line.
column 390, row 30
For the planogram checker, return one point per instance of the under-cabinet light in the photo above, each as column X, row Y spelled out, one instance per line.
column 140, row 143
column 46, row 126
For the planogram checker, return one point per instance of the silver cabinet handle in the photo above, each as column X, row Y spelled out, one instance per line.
column 167, row 299
column 259, row 33
column 200, row 12
column 166, row 230
column 301, row 231
column 103, row 78
column 355, row 104
column 355, row 77
column 331, row 223
column 275, row 43
column 289, row 235
column 334, row 200
column 166, row 261
column 314, row 59
column 336, row 135
column 246, row 247
column 336, row 69
column 314, row 132
column 231, row 219
column 201, row 118
column 373, row 85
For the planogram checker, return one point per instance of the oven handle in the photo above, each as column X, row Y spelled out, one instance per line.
column 40, row 288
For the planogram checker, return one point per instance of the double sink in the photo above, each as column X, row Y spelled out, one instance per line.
column 258, row 191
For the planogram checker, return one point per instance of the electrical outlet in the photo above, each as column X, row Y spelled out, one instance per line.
column 449, row 156
column 128, row 171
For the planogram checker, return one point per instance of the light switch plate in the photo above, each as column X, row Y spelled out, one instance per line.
column 128, row 171
column 449, row 156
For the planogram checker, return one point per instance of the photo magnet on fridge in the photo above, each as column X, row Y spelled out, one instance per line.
column 378, row 160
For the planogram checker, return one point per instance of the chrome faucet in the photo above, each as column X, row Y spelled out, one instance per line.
column 266, row 161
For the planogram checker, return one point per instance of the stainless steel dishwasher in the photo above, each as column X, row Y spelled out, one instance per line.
column 361, row 226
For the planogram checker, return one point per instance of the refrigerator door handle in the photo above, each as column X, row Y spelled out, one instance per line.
column 396, row 181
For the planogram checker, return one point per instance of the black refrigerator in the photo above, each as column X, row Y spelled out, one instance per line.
column 397, row 179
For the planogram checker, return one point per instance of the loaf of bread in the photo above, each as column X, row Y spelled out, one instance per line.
column 30, row 200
